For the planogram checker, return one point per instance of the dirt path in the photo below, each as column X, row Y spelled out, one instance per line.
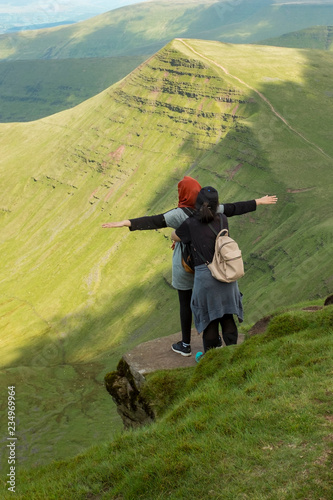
column 280, row 117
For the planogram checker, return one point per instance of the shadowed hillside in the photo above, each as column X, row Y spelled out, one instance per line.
column 74, row 297
column 30, row 90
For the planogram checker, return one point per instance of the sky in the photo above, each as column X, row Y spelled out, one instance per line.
column 16, row 13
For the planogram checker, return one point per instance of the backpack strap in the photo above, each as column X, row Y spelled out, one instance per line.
column 188, row 210
column 216, row 233
column 222, row 222
column 204, row 261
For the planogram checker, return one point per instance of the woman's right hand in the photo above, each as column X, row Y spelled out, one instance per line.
column 267, row 200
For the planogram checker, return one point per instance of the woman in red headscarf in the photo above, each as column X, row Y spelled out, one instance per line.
column 182, row 281
column 188, row 189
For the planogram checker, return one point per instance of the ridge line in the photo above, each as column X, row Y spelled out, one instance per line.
column 292, row 129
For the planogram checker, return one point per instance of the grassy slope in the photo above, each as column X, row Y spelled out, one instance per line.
column 250, row 421
column 104, row 49
column 74, row 296
column 30, row 90
column 316, row 37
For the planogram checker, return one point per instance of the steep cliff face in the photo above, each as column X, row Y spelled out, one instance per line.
column 124, row 385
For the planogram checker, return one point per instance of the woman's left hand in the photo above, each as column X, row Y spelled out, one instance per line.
column 122, row 223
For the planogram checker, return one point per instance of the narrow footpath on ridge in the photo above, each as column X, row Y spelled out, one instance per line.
column 280, row 117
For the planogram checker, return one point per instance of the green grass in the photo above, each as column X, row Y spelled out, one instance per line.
column 249, row 421
column 34, row 89
column 74, row 296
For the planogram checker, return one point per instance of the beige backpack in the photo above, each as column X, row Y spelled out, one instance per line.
column 227, row 264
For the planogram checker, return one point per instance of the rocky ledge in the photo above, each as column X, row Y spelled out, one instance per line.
column 126, row 382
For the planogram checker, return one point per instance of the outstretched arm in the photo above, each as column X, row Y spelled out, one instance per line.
column 243, row 207
column 122, row 223
column 267, row 200
column 141, row 223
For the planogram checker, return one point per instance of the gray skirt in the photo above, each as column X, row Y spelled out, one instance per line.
column 212, row 299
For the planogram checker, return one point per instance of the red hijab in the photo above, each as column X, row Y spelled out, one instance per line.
column 188, row 189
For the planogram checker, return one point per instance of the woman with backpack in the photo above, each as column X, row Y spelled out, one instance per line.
column 182, row 281
column 213, row 302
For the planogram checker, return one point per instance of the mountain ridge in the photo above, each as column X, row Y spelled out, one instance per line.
column 44, row 71
column 145, row 28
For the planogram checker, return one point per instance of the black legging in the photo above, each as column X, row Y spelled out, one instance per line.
column 185, row 314
column 210, row 335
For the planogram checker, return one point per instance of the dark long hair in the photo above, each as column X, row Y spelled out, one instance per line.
column 206, row 205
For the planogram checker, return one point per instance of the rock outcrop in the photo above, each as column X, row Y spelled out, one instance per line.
column 124, row 386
